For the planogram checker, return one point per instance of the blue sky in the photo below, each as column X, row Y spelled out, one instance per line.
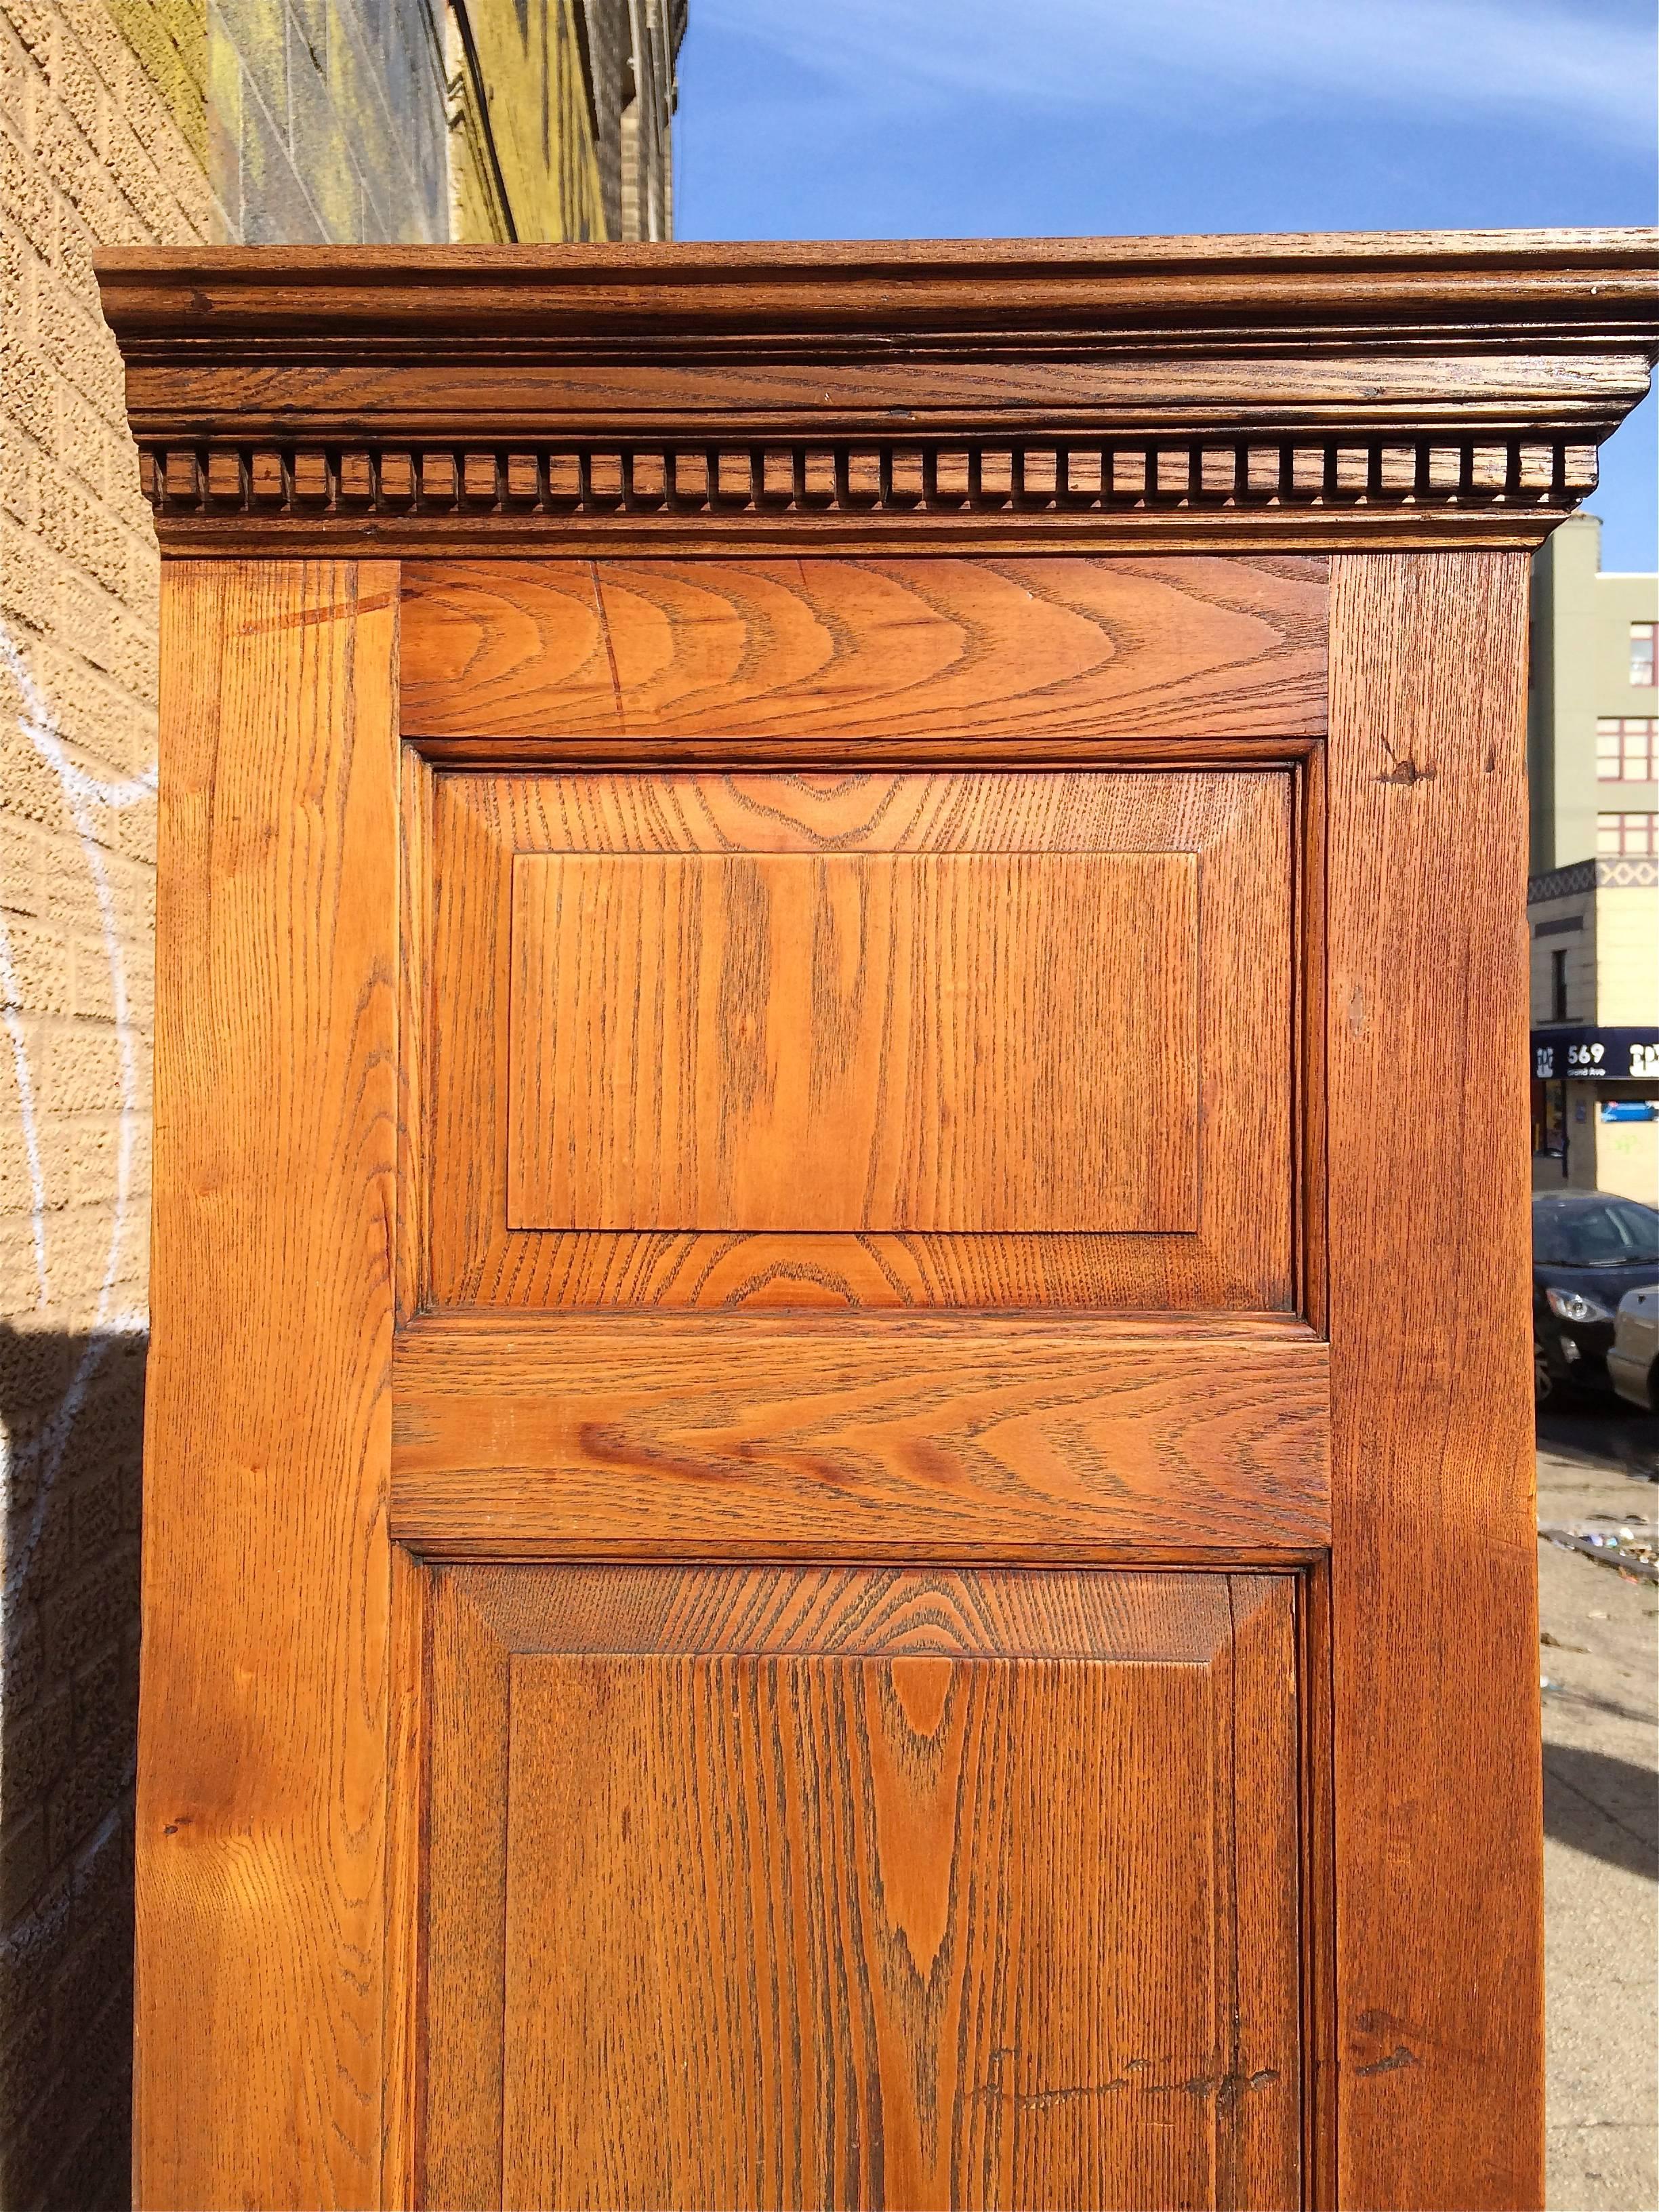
column 961, row 119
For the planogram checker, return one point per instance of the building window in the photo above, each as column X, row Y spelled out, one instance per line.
column 1558, row 986
column 1627, row 836
column 1641, row 652
column 1626, row 749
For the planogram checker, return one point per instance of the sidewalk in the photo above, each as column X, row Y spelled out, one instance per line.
column 1599, row 1657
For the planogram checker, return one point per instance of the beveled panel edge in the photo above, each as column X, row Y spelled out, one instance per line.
column 510, row 1257
column 448, row 1544
column 507, row 753
column 800, row 1608
column 1149, row 1324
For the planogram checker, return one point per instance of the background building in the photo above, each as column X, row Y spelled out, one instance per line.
column 169, row 123
column 1593, row 900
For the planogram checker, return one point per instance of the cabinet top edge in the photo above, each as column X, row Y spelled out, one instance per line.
column 1603, row 275
column 1300, row 390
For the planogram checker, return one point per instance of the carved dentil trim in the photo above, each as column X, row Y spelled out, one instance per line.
column 868, row 480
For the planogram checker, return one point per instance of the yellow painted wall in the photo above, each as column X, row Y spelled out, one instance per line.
column 168, row 40
column 1627, row 1159
column 531, row 171
column 1627, row 996
column 1627, row 955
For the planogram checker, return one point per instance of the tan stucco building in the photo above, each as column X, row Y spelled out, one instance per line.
column 1593, row 900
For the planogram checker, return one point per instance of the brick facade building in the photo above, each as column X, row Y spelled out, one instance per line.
column 168, row 121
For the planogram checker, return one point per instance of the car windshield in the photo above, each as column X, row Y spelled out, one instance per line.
column 1616, row 1233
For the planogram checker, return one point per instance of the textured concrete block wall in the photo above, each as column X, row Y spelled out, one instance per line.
column 96, row 147
column 164, row 122
column 329, row 121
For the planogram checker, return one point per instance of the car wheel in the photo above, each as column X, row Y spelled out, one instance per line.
column 1543, row 1382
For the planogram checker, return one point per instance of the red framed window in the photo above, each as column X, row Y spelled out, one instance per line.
column 1626, row 749
column 1624, row 836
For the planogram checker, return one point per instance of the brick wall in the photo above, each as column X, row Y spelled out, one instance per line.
column 91, row 152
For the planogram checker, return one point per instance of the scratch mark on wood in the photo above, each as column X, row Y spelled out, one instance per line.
column 609, row 648
column 343, row 609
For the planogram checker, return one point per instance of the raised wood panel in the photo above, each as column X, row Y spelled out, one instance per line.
column 275, row 1668
column 1233, row 827
column 1438, row 1995
column 902, row 1437
column 796, row 1890
column 840, row 1041
column 845, row 649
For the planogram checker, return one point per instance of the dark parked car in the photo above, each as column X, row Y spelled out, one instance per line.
column 1588, row 1249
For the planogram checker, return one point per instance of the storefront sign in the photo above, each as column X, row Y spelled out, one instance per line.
column 1582, row 1056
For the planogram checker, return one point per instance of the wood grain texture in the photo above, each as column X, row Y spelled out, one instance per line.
column 1310, row 860
column 839, row 1818
column 1321, row 2084
column 465, row 1898
column 868, row 1436
column 266, row 1714
column 840, row 1042
column 1026, row 285
column 850, row 649
column 1433, row 1567
column 824, row 1908
column 415, row 857
column 403, row 1975
column 1237, row 824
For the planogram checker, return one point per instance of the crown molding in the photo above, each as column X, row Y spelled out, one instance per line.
column 1260, row 393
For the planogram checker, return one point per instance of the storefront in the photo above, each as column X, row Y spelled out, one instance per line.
column 1595, row 1109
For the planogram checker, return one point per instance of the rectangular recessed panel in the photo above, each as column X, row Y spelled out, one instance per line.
column 992, row 1901
column 1234, row 1248
column 979, row 1042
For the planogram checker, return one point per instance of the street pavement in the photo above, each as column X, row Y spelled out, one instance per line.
column 1599, row 1661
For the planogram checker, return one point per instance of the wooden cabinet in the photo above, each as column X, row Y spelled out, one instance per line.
column 839, row 1506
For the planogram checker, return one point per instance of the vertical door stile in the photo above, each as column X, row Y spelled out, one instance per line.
column 1434, row 1582
column 265, row 1726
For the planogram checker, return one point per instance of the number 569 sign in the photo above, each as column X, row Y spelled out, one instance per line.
column 1584, row 1055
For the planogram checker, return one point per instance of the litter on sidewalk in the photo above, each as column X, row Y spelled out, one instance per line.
column 1630, row 1547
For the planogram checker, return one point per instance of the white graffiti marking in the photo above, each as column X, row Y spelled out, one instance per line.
column 83, row 796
